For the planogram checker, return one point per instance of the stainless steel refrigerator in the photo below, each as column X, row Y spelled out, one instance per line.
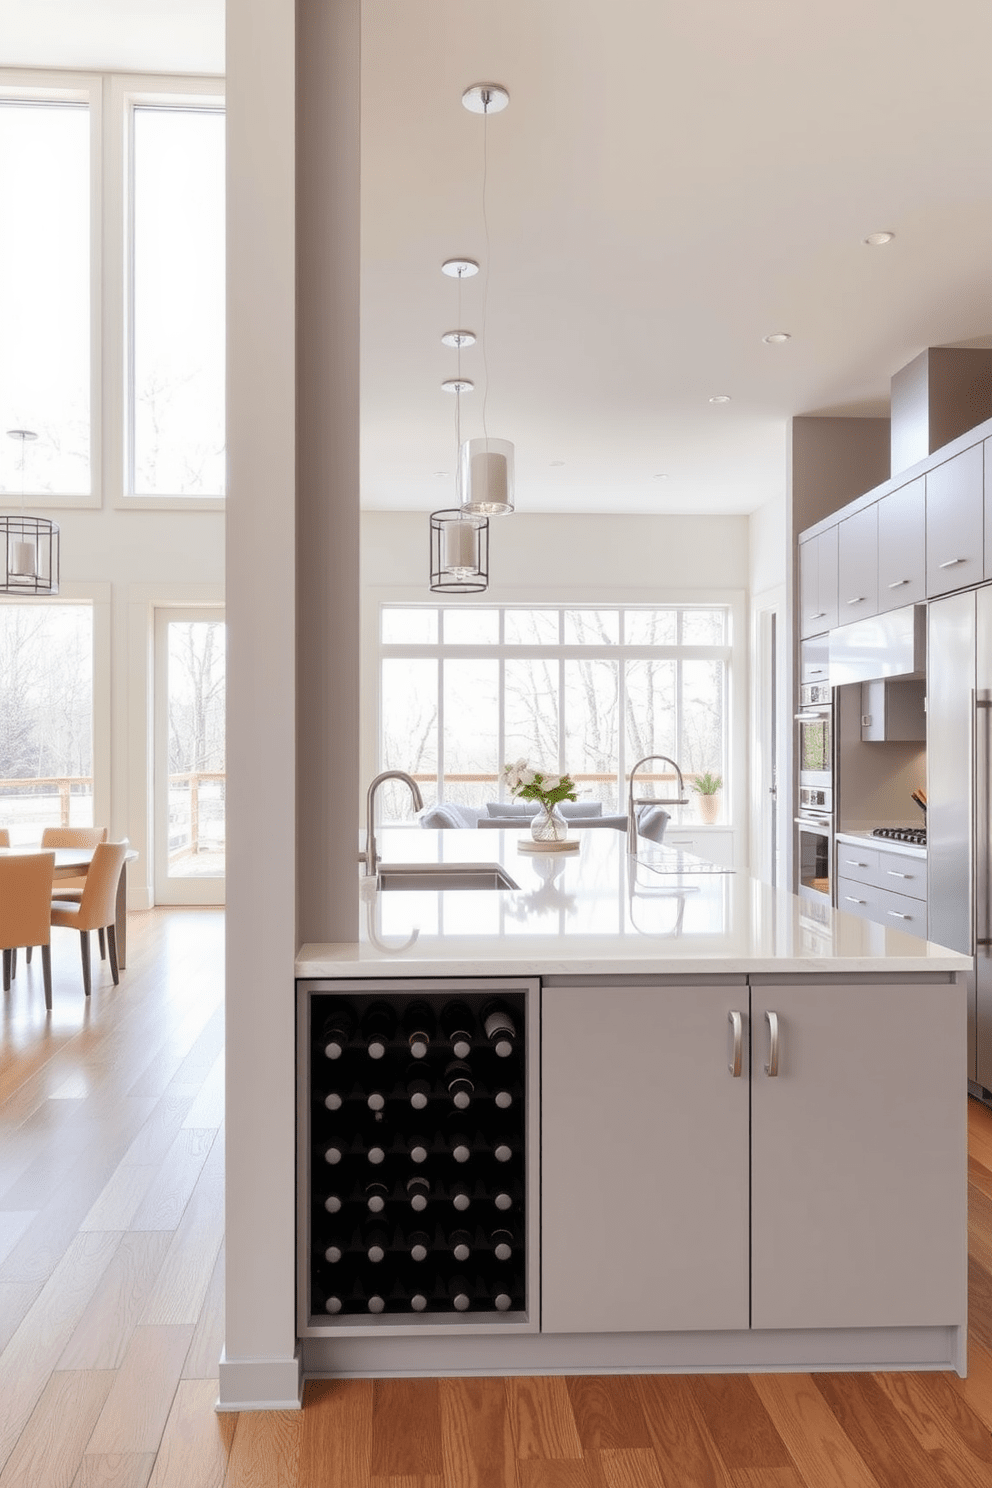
column 959, row 755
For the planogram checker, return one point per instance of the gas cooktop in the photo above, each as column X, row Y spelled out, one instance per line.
column 915, row 835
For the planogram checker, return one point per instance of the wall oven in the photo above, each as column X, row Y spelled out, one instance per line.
column 814, row 730
column 815, row 850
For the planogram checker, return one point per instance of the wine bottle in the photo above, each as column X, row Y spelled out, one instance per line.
column 332, row 1203
column 419, row 1245
column 503, row 1150
column 419, row 1147
column 457, row 1024
column 418, row 1302
column 333, row 1100
column 334, row 1152
column 376, row 1302
column 376, row 1194
column 418, row 1190
column 503, row 1097
column 459, row 1144
column 460, row 1293
column 333, row 1253
column 502, row 1301
column 503, row 1200
column 499, row 1027
column 333, row 1304
column 502, row 1244
column 460, row 1197
column 378, row 1028
column 376, row 1101
column 420, row 1027
column 337, row 1030
column 419, row 1084
column 376, row 1153
column 376, row 1242
column 459, row 1083
column 460, row 1242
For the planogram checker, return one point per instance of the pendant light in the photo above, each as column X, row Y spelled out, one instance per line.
column 30, row 562
column 486, row 466
column 459, row 540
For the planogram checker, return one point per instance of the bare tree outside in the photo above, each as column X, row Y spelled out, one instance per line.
column 197, row 757
column 46, row 716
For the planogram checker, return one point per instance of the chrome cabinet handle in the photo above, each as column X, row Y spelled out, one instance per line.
column 771, row 1068
column 737, row 1024
column 897, row 583
column 951, row 562
column 897, row 916
column 819, row 615
column 853, row 863
column 893, row 874
column 858, row 599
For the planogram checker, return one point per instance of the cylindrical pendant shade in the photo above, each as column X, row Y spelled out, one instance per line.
column 29, row 555
column 459, row 552
column 485, row 476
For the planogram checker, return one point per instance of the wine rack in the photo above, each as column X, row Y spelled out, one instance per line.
column 415, row 1168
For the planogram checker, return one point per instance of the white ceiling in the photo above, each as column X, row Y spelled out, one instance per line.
column 670, row 183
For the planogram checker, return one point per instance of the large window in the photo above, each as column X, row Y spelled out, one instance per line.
column 45, row 296
column 112, row 289
column 593, row 691
column 46, row 717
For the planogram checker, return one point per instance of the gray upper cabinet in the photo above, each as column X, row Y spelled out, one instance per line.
column 902, row 547
column 818, row 583
column 988, row 515
column 955, row 522
column 858, row 566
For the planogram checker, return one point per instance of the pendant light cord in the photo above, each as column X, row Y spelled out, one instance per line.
column 485, row 284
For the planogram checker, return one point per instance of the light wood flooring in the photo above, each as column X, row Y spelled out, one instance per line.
column 111, row 1276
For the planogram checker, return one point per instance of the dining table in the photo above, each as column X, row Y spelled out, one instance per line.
column 74, row 862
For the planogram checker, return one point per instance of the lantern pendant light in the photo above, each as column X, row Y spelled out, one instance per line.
column 30, row 552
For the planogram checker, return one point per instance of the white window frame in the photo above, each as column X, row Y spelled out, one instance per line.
column 112, row 98
column 733, row 764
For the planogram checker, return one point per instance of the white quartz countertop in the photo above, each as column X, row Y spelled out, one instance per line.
column 590, row 913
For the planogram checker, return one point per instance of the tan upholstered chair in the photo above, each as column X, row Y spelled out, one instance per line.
column 4, row 837
column 72, row 888
column 25, row 908
column 97, row 909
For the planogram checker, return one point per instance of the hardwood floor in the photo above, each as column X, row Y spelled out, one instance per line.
column 111, row 1298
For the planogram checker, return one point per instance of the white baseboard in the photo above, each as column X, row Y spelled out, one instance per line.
column 260, row 1384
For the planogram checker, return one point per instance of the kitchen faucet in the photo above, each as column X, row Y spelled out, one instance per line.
column 680, row 800
column 371, row 856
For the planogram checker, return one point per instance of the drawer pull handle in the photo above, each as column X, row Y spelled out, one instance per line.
column 853, row 863
column 898, row 583
column 858, row 599
column 819, row 615
column 737, row 1024
column 771, row 1068
column 851, row 899
column 893, row 874
column 951, row 562
column 897, row 916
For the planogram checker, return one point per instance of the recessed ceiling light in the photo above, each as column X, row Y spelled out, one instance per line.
column 776, row 338
column 485, row 98
column 457, row 385
column 555, row 463
column 720, row 398
column 459, row 268
column 458, row 338
column 876, row 240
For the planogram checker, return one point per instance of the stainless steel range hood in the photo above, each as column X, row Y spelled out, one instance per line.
column 889, row 645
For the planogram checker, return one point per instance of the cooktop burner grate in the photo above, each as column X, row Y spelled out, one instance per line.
column 915, row 835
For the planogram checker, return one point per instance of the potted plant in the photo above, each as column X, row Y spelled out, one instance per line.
column 707, row 788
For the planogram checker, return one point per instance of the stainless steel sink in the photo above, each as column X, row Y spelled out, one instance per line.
column 443, row 876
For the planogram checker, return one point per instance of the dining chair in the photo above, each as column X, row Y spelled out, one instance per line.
column 25, row 910
column 97, row 907
column 72, row 888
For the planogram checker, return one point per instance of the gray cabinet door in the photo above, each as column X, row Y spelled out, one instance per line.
column 818, row 583
column 644, row 1160
column 827, row 545
column 902, row 547
column 955, row 522
column 859, row 1201
column 858, row 566
column 988, row 504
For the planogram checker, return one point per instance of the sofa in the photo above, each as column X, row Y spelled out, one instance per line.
column 509, row 815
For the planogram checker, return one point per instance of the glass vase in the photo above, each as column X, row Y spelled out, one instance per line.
column 549, row 825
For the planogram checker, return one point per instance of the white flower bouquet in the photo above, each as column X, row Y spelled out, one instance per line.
column 542, row 786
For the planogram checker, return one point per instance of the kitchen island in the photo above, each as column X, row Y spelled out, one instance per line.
column 742, row 1140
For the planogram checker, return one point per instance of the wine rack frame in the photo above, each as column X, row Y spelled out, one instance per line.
column 436, row 991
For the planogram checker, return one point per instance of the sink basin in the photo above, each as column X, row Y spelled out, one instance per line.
column 443, row 876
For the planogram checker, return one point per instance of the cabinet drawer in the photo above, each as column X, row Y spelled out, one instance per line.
column 714, row 847
column 857, row 898
column 898, row 911
column 859, row 863
column 901, row 873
